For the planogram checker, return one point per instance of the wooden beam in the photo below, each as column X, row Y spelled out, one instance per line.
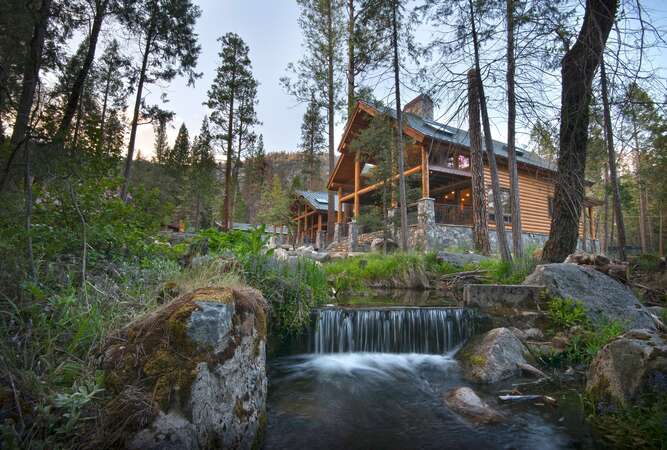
column 425, row 180
column 340, row 205
column 452, row 187
column 319, row 222
column 357, row 184
column 373, row 187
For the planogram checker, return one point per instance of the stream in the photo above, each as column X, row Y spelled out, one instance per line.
column 372, row 376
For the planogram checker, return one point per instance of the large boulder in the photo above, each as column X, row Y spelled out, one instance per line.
column 630, row 365
column 493, row 356
column 604, row 298
column 461, row 259
column 190, row 375
column 467, row 403
column 378, row 244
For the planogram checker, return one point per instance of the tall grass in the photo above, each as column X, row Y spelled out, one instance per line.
column 48, row 351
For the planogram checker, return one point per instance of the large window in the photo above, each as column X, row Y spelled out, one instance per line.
column 505, row 199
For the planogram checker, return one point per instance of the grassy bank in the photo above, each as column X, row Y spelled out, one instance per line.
column 402, row 269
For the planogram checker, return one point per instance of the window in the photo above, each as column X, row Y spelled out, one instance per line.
column 505, row 199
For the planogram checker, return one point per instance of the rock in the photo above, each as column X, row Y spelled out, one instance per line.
column 466, row 402
column 499, row 297
column 200, row 261
column 308, row 252
column 493, row 356
column 632, row 364
column 167, row 432
column 378, row 244
column 657, row 311
column 461, row 259
column 200, row 360
column 604, row 298
column 529, row 334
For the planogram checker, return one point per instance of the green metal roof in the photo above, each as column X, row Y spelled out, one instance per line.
column 446, row 133
column 318, row 200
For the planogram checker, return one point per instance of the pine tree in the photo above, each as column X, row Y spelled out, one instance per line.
column 179, row 156
column 275, row 204
column 321, row 22
column 161, row 144
column 233, row 78
column 112, row 70
column 313, row 142
column 165, row 29
column 202, row 177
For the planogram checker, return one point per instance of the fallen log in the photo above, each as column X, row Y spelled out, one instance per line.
column 526, row 398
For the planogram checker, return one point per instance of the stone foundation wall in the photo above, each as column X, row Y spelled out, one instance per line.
column 440, row 237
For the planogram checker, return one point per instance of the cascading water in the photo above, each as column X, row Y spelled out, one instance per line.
column 391, row 330
column 375, row 378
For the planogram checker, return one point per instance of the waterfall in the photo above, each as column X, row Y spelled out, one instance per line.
column 391, row 330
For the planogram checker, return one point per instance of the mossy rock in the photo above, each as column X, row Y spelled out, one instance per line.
column 156, row 357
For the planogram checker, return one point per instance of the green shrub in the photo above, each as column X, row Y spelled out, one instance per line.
column 565, row 313
column 293, row 289
column 639, row 426
column 586, row 343
column 648, row 262
column 501, row 272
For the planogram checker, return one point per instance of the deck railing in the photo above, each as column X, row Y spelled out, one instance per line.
column 453, row 214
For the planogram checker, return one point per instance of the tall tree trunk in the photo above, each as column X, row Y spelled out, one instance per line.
column 643, row 233
column 28, row 211
column 77, row 87
column 33, row 62
column 135, row 116
column 331, row 212
column 584, row 234
column 103, row 117
column 351, row 63
column 578, row 69
column 77, row 124
column 661, row 242
column 226, row 205
column 479, row 214
column 399, row 132
column 515, row 205
column 490, row 154
column 604, row 243
column 611, row 155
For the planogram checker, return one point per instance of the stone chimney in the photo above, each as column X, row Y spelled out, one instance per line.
column 421, row 106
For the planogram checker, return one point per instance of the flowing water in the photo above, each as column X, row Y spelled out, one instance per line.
column 374, row 378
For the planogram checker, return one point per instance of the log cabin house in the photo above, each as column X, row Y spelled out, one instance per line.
column 310, row 212
column 439, row 156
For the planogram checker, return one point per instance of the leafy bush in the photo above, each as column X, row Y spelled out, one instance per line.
column 585, row 344
column 292, row 289
column 638, row 426
column 501, row 272
column 648, row 262
column 565, row 313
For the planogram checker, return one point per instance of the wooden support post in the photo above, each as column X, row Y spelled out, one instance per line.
column 426, row 192
column 340, row 205
column 319, row 222
column 357, row 184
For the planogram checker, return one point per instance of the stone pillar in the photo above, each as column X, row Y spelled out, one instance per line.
column 321, row 240
column 352, row 236
column 337, row 230
column 426, row 211
column 426, row 220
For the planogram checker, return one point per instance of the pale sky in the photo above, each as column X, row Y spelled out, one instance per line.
column 270, row 29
